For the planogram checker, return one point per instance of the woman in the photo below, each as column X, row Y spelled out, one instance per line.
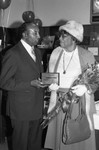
column 69, row 60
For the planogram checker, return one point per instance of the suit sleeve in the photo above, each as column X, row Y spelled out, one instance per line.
column 7, row 74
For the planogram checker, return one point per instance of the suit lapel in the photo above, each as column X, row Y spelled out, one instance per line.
column 38, row 59
column 28, row 58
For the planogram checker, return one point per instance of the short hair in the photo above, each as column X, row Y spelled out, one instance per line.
column 24, row 27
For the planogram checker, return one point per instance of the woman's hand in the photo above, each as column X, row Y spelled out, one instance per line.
column 79, row 90
column 53, row 87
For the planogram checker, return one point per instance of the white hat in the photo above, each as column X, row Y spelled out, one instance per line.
column 74, row 28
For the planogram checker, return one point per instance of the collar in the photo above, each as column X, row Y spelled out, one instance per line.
column 76, row 49
column 27, row 46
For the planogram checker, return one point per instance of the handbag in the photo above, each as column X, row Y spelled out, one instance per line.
column 75, row 130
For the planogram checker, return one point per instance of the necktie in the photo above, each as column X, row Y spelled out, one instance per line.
column 33, row 53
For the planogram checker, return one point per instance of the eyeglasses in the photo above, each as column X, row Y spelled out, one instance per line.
column 63, row 34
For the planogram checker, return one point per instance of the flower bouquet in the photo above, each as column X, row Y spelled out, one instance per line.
column 89, row 77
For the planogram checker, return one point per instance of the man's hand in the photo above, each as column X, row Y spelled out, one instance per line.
column 37, row 83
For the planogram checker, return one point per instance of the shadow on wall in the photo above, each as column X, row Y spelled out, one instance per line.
column 16, row 24
column 61, row 22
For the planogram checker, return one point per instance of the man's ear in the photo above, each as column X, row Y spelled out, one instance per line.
column 24, row 34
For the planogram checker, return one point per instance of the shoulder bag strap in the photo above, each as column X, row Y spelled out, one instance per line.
column 82, row 106
column 58, row 60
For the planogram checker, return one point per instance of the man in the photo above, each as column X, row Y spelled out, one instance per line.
column 20, row 76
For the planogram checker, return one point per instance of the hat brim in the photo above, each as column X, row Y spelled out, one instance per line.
column 72, row 33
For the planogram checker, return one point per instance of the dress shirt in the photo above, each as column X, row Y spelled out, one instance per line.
column 29, row 49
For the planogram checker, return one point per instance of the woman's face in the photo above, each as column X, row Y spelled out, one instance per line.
column 66, row 40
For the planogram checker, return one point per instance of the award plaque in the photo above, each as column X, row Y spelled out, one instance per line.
column 49, row 78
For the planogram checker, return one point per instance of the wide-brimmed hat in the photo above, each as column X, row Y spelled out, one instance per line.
column 74, row 28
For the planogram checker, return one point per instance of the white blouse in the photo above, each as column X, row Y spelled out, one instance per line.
column 69, row 62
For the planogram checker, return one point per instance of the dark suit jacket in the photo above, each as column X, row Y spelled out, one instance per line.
column 24, row 102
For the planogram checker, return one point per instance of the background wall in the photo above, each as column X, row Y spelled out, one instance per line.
column 49, row 11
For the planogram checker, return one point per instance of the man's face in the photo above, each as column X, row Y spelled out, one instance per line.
column 32, row 35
